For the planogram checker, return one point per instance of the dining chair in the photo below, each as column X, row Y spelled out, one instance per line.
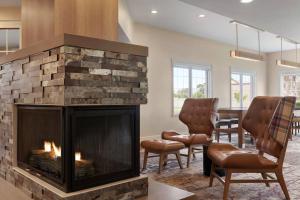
column 296, row 125
column 199, row 115
column 268, row 120
column 225, row 126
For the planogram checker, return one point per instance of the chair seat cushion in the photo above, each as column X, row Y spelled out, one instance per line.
column 234, row 120
column 158, row 146
column 228, row 156
column 223, row 122
column 188, row 140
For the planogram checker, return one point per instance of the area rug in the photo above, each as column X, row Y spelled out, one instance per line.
column 193, row 180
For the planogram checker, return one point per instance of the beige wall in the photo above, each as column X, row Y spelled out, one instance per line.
column 274, row 71
column 165, row 46
column 125, row 22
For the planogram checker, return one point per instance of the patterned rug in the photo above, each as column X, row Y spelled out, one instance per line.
column 193, row 180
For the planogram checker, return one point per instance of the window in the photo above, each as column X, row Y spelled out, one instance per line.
column 189, row 81
column 290, row 85
column 242, row 89
column 9, row 41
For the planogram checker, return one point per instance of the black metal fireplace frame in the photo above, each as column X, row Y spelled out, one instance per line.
column 68, row 183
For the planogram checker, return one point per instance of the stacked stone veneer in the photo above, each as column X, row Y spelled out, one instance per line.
column 72, row 76
column 65, row 76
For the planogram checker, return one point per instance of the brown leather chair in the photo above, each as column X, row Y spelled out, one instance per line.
column 268, row 120
column 199, row 115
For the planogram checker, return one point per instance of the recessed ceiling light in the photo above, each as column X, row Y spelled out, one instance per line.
column 201, row 16
column 154, row 12
column 246, row 1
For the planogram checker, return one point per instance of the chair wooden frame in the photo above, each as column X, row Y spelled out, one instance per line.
column 163, row 158
column 266, row 177
column 192, row 151
column 225, row 131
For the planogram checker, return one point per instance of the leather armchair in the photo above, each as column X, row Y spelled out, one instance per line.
column 199, row 115
column 268, row 120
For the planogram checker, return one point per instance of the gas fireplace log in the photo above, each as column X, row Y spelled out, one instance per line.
column 47, row 162
column 84, row 168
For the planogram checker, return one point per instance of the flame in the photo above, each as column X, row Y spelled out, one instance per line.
column 77, row 156
column 57, row 150
column 47, row 146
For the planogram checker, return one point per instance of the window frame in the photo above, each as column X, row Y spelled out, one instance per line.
column 7, row 51
column 253, row 85
column 287, row 72
column 190, row 67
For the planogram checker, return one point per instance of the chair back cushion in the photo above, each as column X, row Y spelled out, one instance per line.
column 259, row 115
column 280, row 125
column 276, row 137
column 199, row 115
column 274, row 120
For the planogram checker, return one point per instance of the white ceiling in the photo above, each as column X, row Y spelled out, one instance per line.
column 10, row 3
column 181, row 16
column 278, row 16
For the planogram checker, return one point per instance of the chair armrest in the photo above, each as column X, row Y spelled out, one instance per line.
column 167, row 134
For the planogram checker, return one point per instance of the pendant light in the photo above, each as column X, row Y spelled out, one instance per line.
column 286, row 63
column 243, row 54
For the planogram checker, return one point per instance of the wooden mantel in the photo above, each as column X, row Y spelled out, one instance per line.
column 78, row 41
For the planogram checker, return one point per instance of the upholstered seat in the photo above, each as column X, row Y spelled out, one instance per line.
column 187, row 139
column 199, row 115
column 228, row 156
column 163, row 148
column 157, row 146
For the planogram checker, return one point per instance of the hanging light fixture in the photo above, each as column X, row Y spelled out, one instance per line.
column 242, row 54
column 287, row 63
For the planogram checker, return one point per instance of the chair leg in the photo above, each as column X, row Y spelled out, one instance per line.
column 229, row 133
column 165, row 159
column 282, row 184
column 218, row 136
column 161, row 162
column 194, row 155
column 179, row 160
column 227, row 184
column 145, row 160
column 251, row 140
column 189, row 157
column 265, row 178
column 211, row 178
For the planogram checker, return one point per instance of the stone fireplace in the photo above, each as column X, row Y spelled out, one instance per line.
column 69, row 118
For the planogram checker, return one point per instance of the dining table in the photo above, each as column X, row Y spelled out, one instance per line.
column 238, row 113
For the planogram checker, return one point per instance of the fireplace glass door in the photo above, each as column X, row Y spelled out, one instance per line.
column 103, row 144
column 40, row 137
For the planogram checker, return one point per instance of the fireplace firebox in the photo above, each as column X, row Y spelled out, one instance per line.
column 77, row 147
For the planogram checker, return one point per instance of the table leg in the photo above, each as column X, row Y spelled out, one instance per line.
column 240, row 131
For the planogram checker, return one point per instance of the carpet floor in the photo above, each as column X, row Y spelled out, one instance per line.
column 193, row 180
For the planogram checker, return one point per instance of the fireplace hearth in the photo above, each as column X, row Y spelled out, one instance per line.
column 77, row 147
